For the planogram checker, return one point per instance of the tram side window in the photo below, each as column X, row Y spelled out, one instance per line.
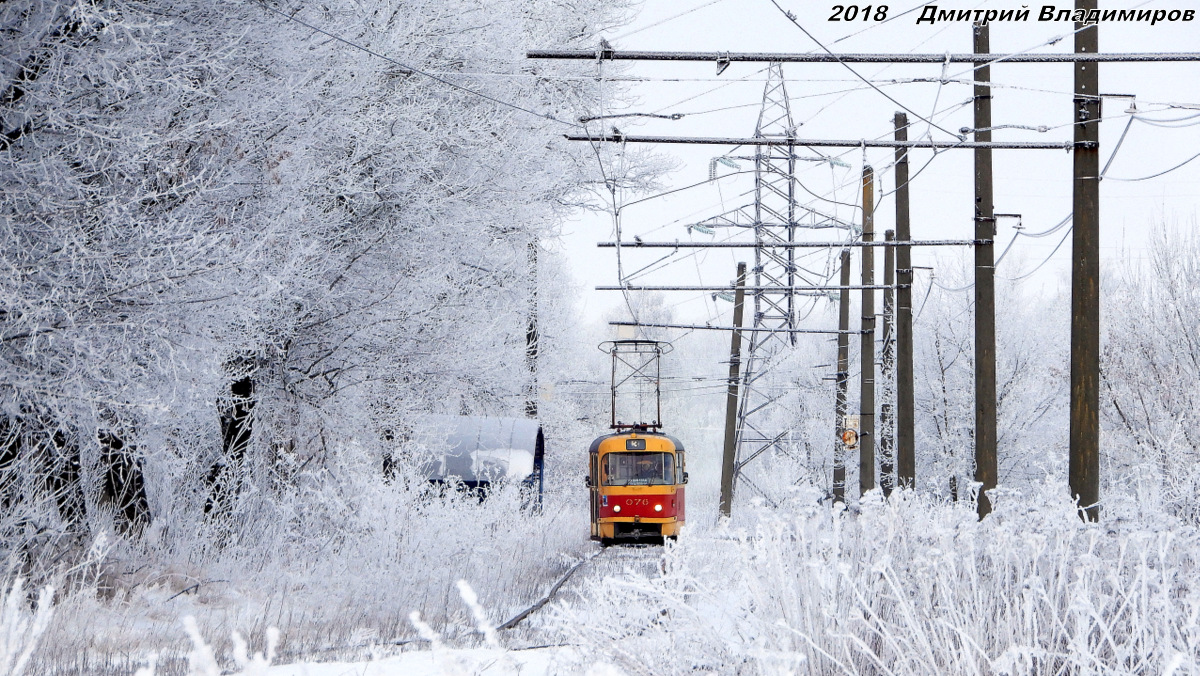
column 639, row 469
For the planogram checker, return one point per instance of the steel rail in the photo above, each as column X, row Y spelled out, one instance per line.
column 540, row 603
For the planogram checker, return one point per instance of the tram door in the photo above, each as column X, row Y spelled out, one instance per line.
column 680, row 491
column 594, row 492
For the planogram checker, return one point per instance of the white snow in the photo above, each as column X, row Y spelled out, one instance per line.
column 476, row 661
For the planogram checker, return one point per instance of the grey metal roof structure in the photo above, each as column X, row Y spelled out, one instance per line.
column 480, row 449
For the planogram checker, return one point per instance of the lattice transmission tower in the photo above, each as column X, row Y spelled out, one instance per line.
column 776, row 218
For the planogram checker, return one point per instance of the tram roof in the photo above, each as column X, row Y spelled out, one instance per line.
column 595, row 447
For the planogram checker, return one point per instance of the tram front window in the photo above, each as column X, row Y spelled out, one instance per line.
column 639, row 469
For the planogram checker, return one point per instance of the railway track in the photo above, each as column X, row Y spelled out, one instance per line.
column 599, row 563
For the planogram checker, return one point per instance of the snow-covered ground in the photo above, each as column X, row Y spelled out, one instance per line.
column 910, row 585
column 484, row 662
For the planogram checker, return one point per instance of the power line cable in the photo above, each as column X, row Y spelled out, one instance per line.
column 853, row 180
column 1165, row 171
column 1167, row 123
column 677, row 256
column 670, row 18
column 1117, row 147
column 681, row 189
column 1045, row 233
column 880, row 23
column 928, row 289
column 869, row 83
column 1046, row 260
column 1051, row 41
column 791, row 17
column 1166, row 105
column 616, row 210
column 947, row 110
column 785, row 80
column 1103, row 174
column 1053, row 229
column 859, row 77
column 790, row 98
column 948, row 288
column 706, row 92
column 413, row 69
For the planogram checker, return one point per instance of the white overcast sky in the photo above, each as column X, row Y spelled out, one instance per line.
column 1035, row 184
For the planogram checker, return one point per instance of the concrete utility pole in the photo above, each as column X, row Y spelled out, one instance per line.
column 728, row 460
column 843, row 378
column 866, row 437
column 985, row 285
column 906, row 465
column 887, row 438
column 1085, row 276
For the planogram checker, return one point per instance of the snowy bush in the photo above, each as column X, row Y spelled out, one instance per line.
column 337, row 569
column 19, row 633
column 910, row 585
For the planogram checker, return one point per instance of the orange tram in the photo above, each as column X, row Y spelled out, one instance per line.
column 636, row 481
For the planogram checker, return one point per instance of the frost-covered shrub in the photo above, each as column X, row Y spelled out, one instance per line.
column 909, row 586
column 337, row 566
column 19, row 632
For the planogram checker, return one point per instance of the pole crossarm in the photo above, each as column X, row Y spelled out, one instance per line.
column 790, row 245
column 750, row 289
column 788, row 57
column 739, row 329
column 825, row 143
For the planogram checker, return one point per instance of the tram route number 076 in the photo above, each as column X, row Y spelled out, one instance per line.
column 856, row 13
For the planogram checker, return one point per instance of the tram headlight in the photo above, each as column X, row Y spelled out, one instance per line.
column 616, row 508
column 658, row 508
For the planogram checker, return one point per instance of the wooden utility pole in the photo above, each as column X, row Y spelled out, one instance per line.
column 728, row 467
column 866, row 437
column 985, row 285
column 843, row 378
column 906, row 463
column 887, row 436
column 1085, row 276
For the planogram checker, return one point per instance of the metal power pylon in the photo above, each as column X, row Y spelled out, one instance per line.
column 775, row 215
column 775, row 218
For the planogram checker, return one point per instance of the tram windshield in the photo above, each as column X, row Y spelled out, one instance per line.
column 639, row 469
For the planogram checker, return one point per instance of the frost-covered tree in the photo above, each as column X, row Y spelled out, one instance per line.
column 1031, row 372
column 234, row 243
column 1150, row 371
